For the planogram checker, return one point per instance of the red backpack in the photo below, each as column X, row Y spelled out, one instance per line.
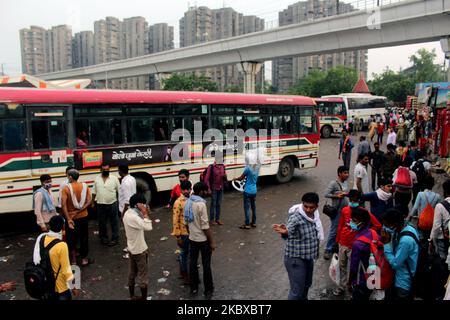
column 384, row 278
column 403, row 178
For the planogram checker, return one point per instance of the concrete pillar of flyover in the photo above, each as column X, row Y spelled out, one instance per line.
column 445, row 45
column 250, row 69
column 160, row 77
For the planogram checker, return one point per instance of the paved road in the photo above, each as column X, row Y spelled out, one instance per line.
column 247, row 264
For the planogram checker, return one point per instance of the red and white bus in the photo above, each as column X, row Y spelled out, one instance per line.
column 332, row 115
column 44, row 131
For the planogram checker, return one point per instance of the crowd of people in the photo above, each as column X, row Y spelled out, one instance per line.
column 392, row 222
column 397, row 218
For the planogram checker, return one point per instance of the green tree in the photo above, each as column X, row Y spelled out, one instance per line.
column 424, row 68
column 397, row 85
column 312, row 85
column 393, row 85
column 189, row 82
column 340, row 79
column 318, row 83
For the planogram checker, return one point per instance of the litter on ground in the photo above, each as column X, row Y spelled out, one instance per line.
column 164, row 292
column 163, row 238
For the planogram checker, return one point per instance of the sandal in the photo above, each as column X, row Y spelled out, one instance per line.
column 244, row 226
column 89, row 261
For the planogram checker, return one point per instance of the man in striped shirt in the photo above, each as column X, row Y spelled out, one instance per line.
column 302, row 232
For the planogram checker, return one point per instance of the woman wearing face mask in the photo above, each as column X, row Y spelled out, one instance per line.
column 44, row 203
column 380, row 200
column 359, row 223
column 346, row 234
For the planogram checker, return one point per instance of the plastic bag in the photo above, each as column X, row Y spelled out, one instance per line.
column 447, row 292
column 334, row 270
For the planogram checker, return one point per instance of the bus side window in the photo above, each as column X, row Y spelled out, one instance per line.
column 39, row 131
column 140, row 130
column 284, row 124
column 339, row 109
column 306, row 120
column 82, row 133
column 161, row 129
column 14, row 135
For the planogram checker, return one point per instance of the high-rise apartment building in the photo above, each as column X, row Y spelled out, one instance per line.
column 62, row 47
column 134, row 43
column 32, row 42
column 160, row 38
column 286, row 71
column 107, row 44
column 83, row 49
column 203, row 24
column 46, row 50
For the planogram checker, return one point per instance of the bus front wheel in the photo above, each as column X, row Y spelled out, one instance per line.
column 143, row 187
column 285, row 171
column 327, row 131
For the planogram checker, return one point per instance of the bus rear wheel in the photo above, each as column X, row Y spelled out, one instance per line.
column 285, row 171
column 143, row 187
column 327, row 131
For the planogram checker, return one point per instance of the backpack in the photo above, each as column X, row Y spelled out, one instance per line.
column 426, row 217
column 419, row 170
column 203, row 174
column 39, row 279
column 377, row 260
column 403, row 178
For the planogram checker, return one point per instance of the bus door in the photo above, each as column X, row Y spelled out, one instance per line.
column 48, row 140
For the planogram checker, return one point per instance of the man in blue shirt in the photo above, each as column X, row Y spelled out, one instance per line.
column 402, row 251
column 251, row 173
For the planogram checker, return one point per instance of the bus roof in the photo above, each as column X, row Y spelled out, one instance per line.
column 354, row 95
column 331, row 99
column 37, row 96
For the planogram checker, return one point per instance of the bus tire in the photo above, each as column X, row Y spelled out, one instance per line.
column 285, row 171
column 142, row 186
column 326, row 131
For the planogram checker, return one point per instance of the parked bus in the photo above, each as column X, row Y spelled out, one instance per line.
column 332, row 115
column 362, row 105
column 44, row 131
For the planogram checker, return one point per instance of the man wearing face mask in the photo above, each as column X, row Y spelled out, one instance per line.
column 359, row 223
column 345, row 237
column 402, row 251
column 105, row 192
column 43, row 203
column 381, row 199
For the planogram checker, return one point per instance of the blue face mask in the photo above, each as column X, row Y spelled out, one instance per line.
column 353, row 204
column 389, row 230
column 354, row 226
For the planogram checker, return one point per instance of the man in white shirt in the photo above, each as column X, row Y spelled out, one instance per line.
column 127, row 188
column 106, row 188
column 392, row 137
column 361, row 178
column 136, row 221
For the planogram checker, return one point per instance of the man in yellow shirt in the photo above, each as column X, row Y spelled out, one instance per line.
column 180, row 230
column 59, row 258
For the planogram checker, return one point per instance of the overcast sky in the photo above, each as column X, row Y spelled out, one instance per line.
column 81, row 14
